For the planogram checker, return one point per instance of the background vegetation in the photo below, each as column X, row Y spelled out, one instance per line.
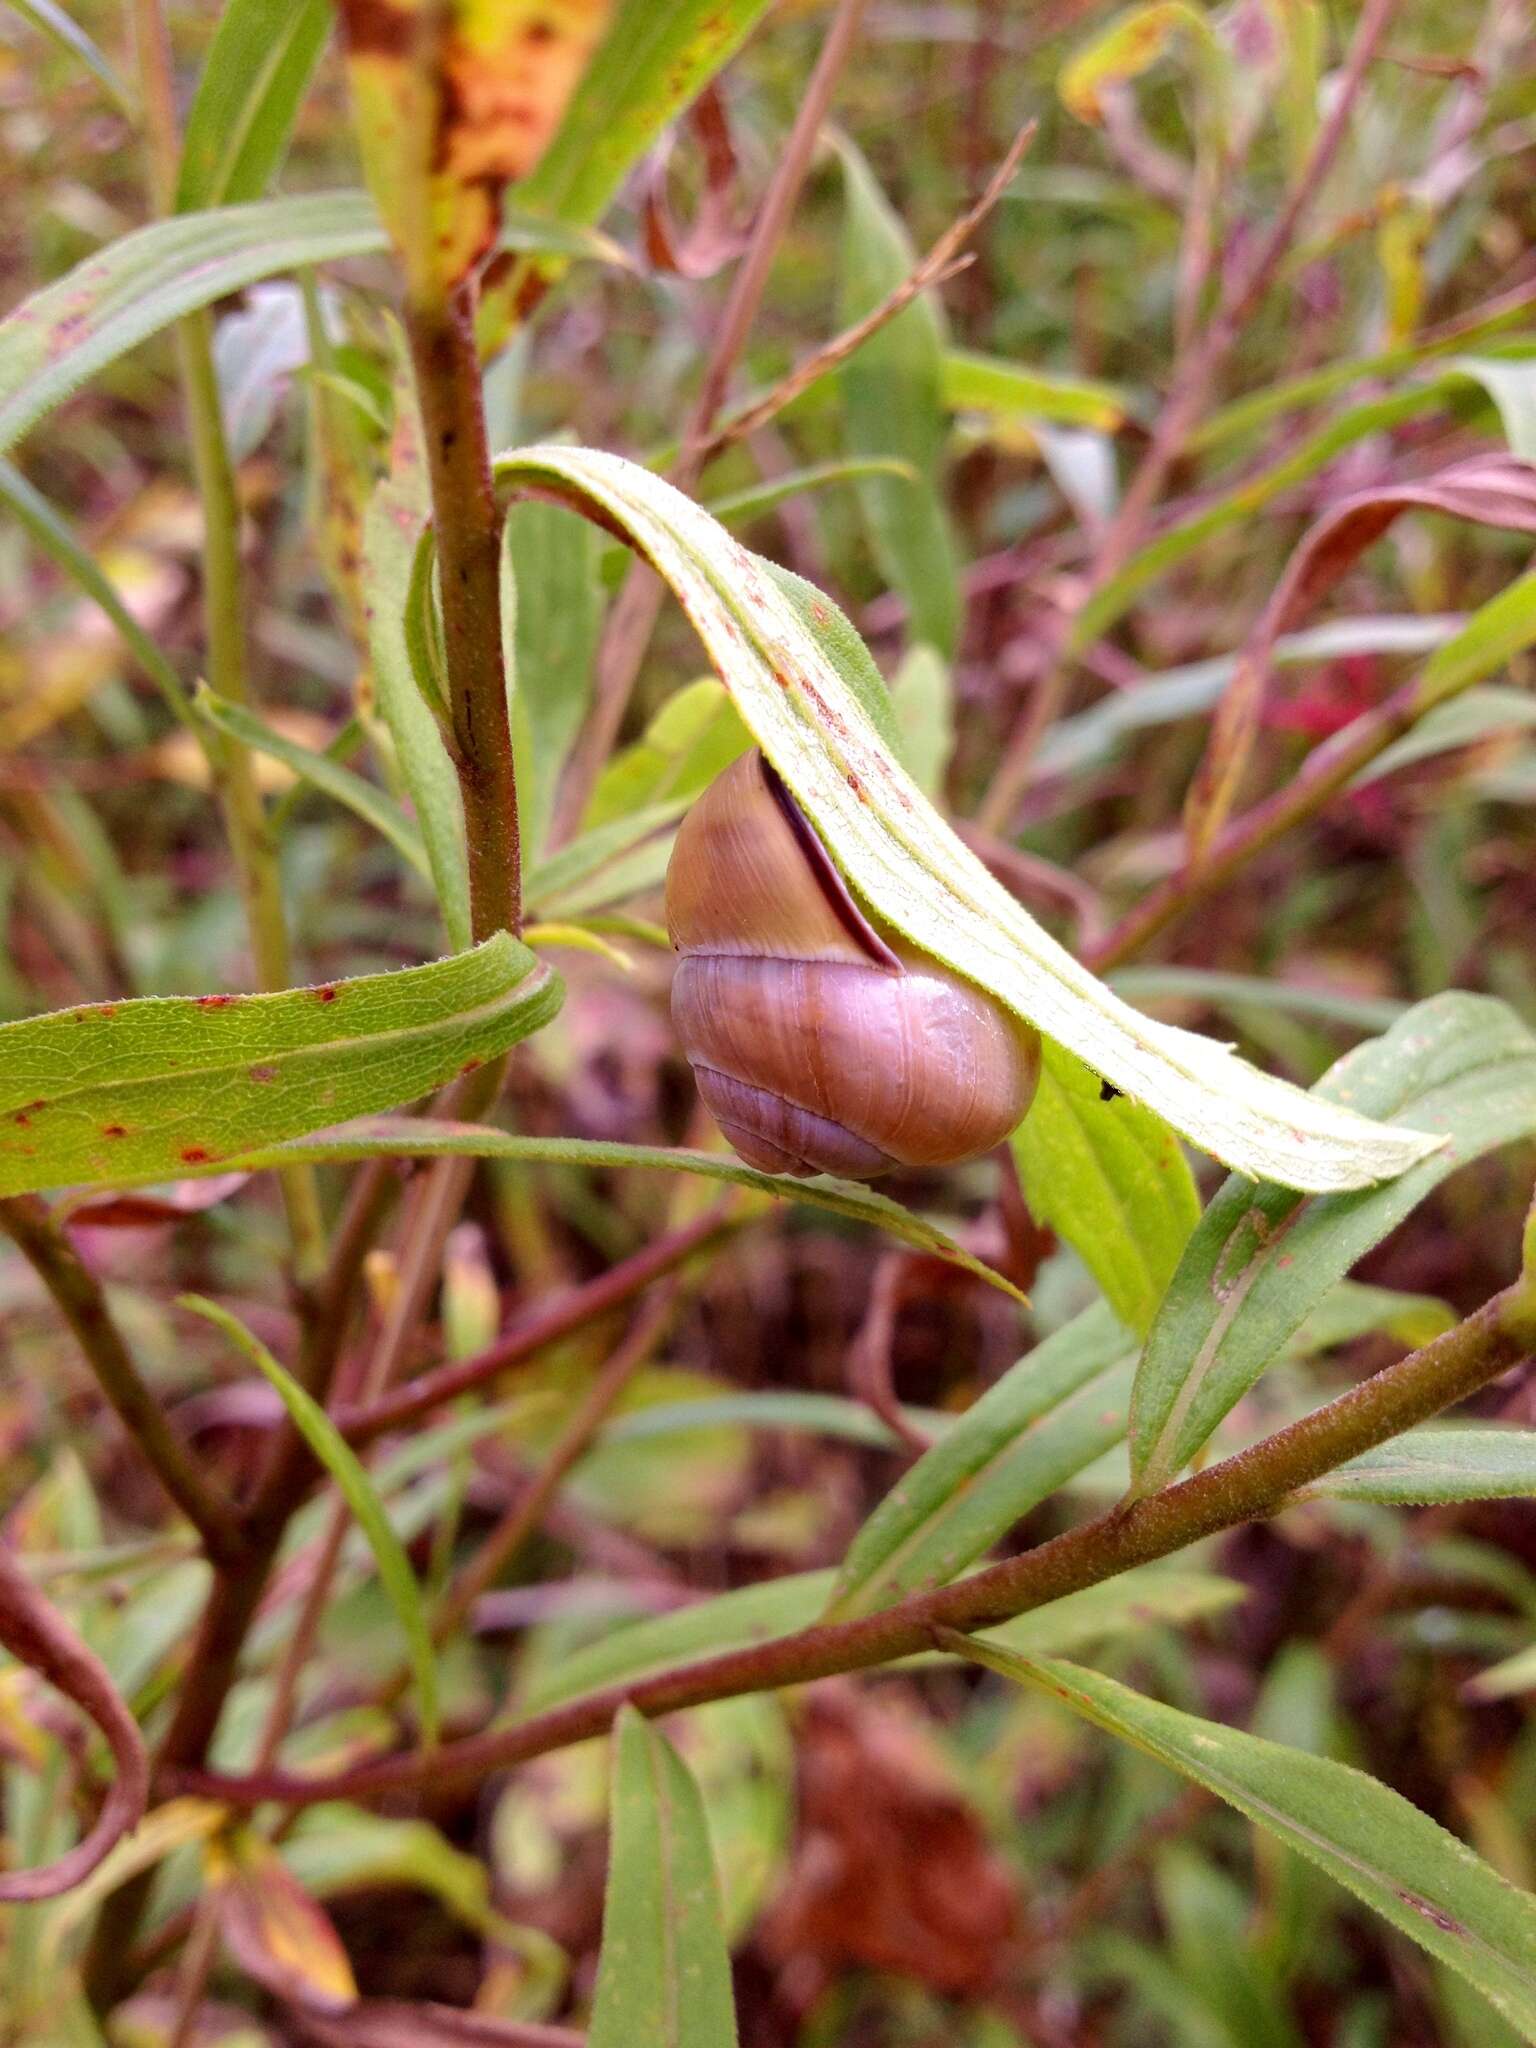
column 1155, row 390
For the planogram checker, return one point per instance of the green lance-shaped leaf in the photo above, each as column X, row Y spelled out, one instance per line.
column 144, row 282
column 393, row 528
column 696, row 733
column 260, row 62
column 360, row 796
column 651, row 62
column 639, row 1649
column 800, row 694
column 356, row 1489
column 1446, row 1462
column 1008, row 395
column 893, row 402
column 1110, row 1177
column 1149, row 1597
column 552, row 612
column 386, row 1137
column 663, row 1976
column 1401, row 1863
column 1063, row 1405
column 165, row 1086
column 1261, row 1259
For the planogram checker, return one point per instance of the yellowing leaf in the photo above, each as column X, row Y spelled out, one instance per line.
column 452, row 104
column 1131, row 44
column 273, row 1928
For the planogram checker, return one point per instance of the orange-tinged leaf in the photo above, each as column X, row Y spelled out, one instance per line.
column 272, row 1927
column 452, row 103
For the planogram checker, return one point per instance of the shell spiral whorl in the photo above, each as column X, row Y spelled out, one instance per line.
column 819, row 1043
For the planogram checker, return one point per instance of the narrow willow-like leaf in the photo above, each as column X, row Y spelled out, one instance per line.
column 1452, row 1462
column 145, row 281
column 638, row 1649
column 1007, row 394
column 42, row 521
column 736, row 508
column 1502, row 1681
column 550, row 882
column 1111, row 1178
column 1239, row 992
column 1459, row 722
column 272, row 1927
column 392, row 529
column 262, row 58
column 695, row 734
column 894, row 406
column 360, row 796
column 552, row 612
column 1261, row 1260
column 663, row 1974
column 423, row 1138
column 357, row 1490
column 1059, row 1408
column 1401, row 1863
column 1132, row 43
column 803, row 706
column 1149, row 1597
column 1227, row 512
column 649, row 65
column 1097, row 734
column 164, row 1087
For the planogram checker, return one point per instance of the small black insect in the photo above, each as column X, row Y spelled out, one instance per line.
column 1108, row 1092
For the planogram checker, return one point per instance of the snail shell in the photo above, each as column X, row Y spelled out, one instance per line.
column 819, row 1043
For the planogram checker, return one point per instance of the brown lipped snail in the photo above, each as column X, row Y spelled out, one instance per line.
column 821, row 1043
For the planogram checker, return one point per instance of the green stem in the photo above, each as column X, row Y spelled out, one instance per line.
column 224, row 604
column 78, row 1295
column 1256, row 1482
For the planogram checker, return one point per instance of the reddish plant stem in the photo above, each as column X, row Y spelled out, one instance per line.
column 1326, row 770
column 78, row 1296
column 236, row 1594
column 523, row 1519
column 467, row 527
column 1256, row 1482
column 536, row 1331
column 1195, row 379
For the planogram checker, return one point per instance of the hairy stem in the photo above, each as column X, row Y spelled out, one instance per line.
column 467, row 526
column 1256, row 1482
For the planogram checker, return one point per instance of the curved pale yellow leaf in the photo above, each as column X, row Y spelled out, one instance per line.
column 794, row 676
